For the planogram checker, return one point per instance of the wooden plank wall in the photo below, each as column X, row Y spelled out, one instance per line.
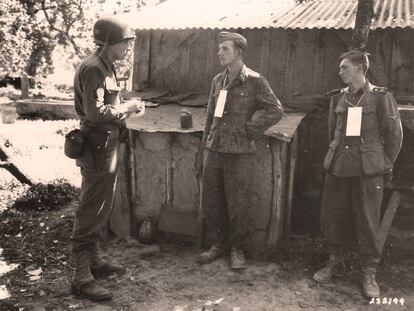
column 141, row 66
column 300, row 62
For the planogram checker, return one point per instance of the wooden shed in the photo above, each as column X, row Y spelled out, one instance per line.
column 164, row 186
column 160, row 159
column 296, row 49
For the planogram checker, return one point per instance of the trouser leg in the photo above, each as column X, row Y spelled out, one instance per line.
column 238, row 193
column 91, row 217
column 213, row 202
column 95, row 257
column 368, row 195
column 336, row 216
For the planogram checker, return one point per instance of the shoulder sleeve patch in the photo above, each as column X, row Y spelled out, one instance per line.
column 99, row 94
column 382, row 90
column 334, row 92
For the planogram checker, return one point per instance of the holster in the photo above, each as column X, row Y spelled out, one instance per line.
column 101, row 145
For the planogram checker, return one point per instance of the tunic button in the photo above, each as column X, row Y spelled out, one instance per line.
column 346, row 147
column 224, row 123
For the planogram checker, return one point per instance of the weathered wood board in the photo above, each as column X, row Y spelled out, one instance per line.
column 185, row 192
column 151, row 154
column 262, row 184
column 166, row 118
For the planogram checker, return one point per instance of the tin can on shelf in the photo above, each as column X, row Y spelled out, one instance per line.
column 186, row 119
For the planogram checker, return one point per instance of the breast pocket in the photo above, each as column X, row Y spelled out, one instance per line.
column 369, row 117
column 241, row 93
column 242, row 103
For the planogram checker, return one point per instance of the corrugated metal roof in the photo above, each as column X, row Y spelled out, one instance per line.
column 341, row 14
column 209, row 14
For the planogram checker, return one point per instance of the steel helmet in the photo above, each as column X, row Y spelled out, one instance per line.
column 110, row 30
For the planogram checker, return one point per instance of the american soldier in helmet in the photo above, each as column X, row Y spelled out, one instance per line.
column 98, row 104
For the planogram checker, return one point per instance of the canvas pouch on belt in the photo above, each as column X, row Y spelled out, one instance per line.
column 74, row 144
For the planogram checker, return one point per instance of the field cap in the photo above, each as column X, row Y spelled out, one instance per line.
column 233, row 36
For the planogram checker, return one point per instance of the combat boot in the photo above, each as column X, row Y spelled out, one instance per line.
column 107, row 268
column 214, row 252
column 100, row 267
column 332, row 268
column 91, row 290
column 83, row 273
column 369, row 283
column 237, row 260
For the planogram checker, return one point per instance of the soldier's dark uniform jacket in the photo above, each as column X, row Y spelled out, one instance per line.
column 97, row 96
column 251, row 108
column 97, row 92
column 375, row 151
column 356, row 166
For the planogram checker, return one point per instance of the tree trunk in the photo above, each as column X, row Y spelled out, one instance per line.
column 365, row 13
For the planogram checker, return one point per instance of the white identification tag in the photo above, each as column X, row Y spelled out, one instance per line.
column 220, row 104
column 353, row 124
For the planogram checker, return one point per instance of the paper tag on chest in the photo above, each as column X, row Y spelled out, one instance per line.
column 353, row 124
column 221, row 101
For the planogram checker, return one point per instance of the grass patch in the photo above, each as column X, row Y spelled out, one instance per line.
column 48, row 197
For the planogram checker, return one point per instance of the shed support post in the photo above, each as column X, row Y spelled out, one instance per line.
column 290, row 184
column 279, row 156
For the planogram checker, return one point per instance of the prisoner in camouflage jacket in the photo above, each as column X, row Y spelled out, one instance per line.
column 251, row 108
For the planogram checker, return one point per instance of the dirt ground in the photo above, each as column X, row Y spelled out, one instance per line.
column 164, row 276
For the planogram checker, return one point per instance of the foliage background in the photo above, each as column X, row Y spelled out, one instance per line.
column 33, row 33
